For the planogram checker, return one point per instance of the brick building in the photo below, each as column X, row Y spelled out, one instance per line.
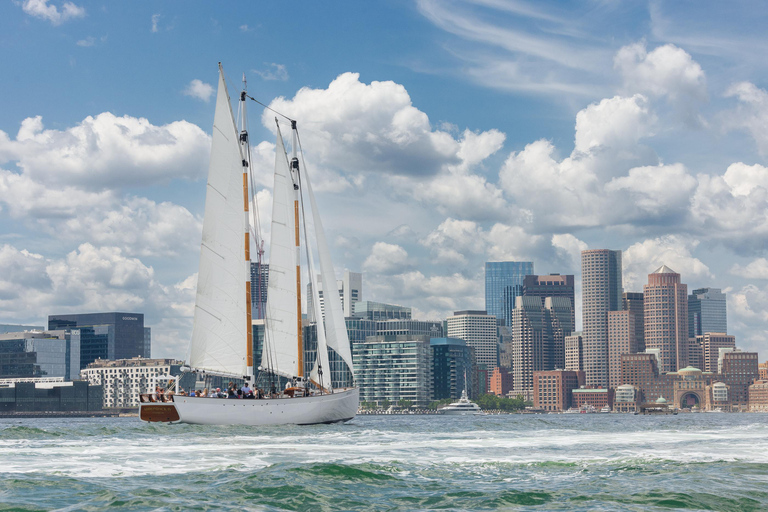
column 552, row 390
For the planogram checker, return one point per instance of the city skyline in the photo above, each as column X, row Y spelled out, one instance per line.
column 614, row 126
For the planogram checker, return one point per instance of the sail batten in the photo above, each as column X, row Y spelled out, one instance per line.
column 220, row 323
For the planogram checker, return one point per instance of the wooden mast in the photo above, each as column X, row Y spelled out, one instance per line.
column 246, row 157
column 295, row 168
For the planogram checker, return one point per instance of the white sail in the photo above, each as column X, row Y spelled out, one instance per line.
column 220, row 331
column 321, row 360
column 280, row 353
column 336, row 329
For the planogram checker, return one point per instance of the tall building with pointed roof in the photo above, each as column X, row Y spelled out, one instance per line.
column 665, row 301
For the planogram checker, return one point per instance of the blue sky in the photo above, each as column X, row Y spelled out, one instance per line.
column 442, row 134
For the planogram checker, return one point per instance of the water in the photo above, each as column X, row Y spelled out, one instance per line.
column 514, row 462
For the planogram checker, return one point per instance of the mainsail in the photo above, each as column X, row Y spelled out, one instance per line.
column 280, row 353
column 221, row 325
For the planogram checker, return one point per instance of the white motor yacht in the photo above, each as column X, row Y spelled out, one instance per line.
column 463, row 406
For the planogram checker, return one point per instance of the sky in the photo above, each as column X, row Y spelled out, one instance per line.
column 440, row 134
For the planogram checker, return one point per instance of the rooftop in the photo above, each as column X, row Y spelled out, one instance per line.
column 664, row 270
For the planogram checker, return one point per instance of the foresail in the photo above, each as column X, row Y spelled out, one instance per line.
column 321, row 372
column 220, row 325
column 280, row 353
column 336, row 328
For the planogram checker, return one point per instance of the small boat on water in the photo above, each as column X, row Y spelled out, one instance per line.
column 463, row 406
column 605, row 410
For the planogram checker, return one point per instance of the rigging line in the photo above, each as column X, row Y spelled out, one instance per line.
column 269, row 108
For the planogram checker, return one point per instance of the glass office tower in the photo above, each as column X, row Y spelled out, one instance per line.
column 504, row 283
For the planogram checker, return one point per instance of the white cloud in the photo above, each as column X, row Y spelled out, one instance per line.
column 88, row 41
column 273, row 71
column 674, row 251
column 743, row 178
column 244, row 28
column 107, row 151
column 665, row 71
column 569, row 248
column 41, row 9
column 656, row 191
column 756, row 269
column 155, row 21
column 200, row 90
column 751, row 114
column 617, row 123
column 386, row 258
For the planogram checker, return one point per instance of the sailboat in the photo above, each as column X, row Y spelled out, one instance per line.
column 222, row 336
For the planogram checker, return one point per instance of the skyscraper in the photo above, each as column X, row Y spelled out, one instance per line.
column 601, row 292
column 350, row 292
column 633, row 302
column 552, row 285
column 706, row 312
column 478, row 329
column 259, row 287
column 666, row 318
column 503, row 283
column 622, row 339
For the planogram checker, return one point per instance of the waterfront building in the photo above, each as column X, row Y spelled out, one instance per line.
column 574, row 352
column 113, row 335
column 479, row 330
column 689, row 387
column 503, row 284
column 394, row 368
column 371, row 310
column 57, row 396
column 553, row 389
column 696, row 352
column 32, row 354
column 553, row 285
column 758, row 396
column 706, row 312
column 501, row 381
column 350, row 291
column 601, row 290
column 596, row 397
column 666, row 317
column 452, row 368
column 762, row 370
column 622, row 339
column 123, row 380
column 626, row 398
column 259, row 287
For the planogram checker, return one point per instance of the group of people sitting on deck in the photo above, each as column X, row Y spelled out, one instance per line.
column 162, row 395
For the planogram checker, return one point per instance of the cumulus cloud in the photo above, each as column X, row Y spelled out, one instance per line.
column 674, row 251
column 667, row 71
column 386, row 258
column 107, row 151
column 751, row 113
column 155, row 21
column 199, row 89
column 41, row 9
column 569, row 248
column 756, row 269
column 617, row 123
column 95, row 278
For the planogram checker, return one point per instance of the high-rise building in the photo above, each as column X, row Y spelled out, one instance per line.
column 350, row 292
column 622, row 339
column 394, row 368
column 452, row 370
column 503, row 283
column 601, row 289
column 706, row 312
column 478, row 329
column 259, row 287
column 380, row 311
column 710, row 344
column 574, row 352
column 538, row 338
column 35, row 354
column 552, row 285
column 633, row 302
column 666, row 318
column 113, row 335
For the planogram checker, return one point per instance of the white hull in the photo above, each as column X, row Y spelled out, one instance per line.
column 331, row 408
column 460, row 412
